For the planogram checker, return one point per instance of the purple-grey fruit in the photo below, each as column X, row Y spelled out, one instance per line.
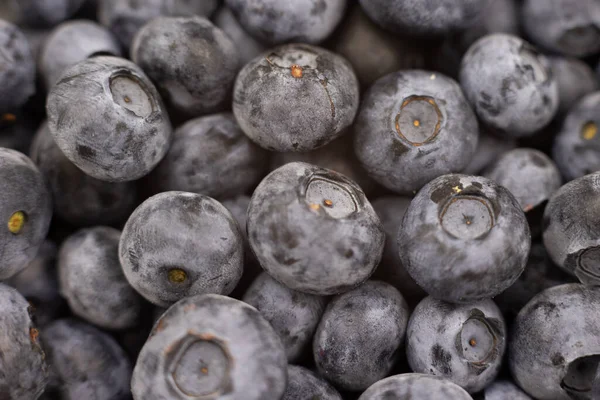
column 414, row 387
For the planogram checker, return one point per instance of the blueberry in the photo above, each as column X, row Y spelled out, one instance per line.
column 304, row 384
column 414, row 387
column 295, row 97
column 565, row 26
column 509, row 84
column 489, row 148
column 416, row 17
column 574, row 78
column 391, row 211
column 212, row 156
column 504, row 390
column 38, row 283
column 576, row 148
column 23, row 366
column 192, row 62
column 293, row 315
column 85, row 363
column 108, row 119
column 125, row 17
column 17, row 68
column 463, row 343
column 414, row 126
column 314, row 230
column 178, row 244
column 92, row 281
column 247, row 46
column 72, row 42
column 43, row 13
column 25, row 212
column 78, row 198
column 464, row 238
column 572, row 228
column 530, row 175
column 275, row 21
column 360, row 335
column 555, row 342
column 211, row 346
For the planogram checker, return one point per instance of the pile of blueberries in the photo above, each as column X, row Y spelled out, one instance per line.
column 299, row 199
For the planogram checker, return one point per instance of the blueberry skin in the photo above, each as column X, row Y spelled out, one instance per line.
column 72, row 42
column 530, row 175
column 509, row 84
column 178, row 244
column 247, row 47
column 275, row 21
column 293, row 315
column 572, row 228
column 563, row 26
column 489, row 148
column 78, row 198
column 390, row 210
column 504, row 390
column 360, row 335
column 416, row 17
column 414, row 126
column 125, row 17
column 574, row 78
column 304, row 384
column 85, row 363
column 464, row 238
column 23, row 365
column 576, row 148
column 108, row 119
column 192, row 62
column 17, row 68
column 555, row 342
column 43, row 13
column 38, row 283
column 25, row 212
column 295, row 97
column 314, row 230
column 92, row 281
column 211, row 156
column 415, row 387
column 463, row 343
column 241, row 356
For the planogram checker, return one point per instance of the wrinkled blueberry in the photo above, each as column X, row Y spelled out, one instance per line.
column 314, row 230
column 304, row 384
column 414, row 387
column 17, row 68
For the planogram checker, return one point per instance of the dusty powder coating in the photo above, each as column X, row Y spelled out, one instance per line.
column 504, row 390
column 576, row 148
column 125, row 17
column 572, row 227
column 17, row 68
column 305, row 384
column 314, row 230
column 78, row 198
column 108, row 119
column 72, row 42
column 179, row 244
column 462, row 343
column 295, row 97
column 360, row 335
column 293, row 315
column 555, row 342
column 240, row 355
column 211, row 156
column 509, row 84
column 23, row 365
column 25, row 212
column 415, row 387
column 464, row 238
column 192, row 62
column 276, row 21
column 92, row 281
column 434, row 17
column 98, row 369
column 413, row 126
